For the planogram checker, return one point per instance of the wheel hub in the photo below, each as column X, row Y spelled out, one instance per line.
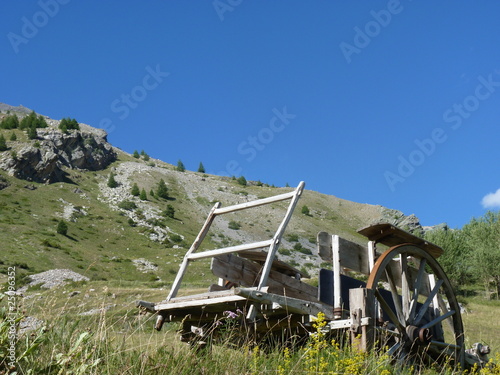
column 417, row 335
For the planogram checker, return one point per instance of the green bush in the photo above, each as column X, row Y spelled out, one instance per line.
column 127, row 205
column 62, row 227
column 234, row 225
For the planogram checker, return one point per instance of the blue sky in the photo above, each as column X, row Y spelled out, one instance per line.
column 382, row 102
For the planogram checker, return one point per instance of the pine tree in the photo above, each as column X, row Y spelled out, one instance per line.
column 242, row 181
column 180, row 166
column 145, row 157
column 62, row 227
column 111, row 181
column 169, row 211
column 201, row 168
column 152, row 193
column 135, row 190
column 162, row 190
column 32, row 134
column 3, row 144
column 305, row 211
column 143, row 195
column 136, row 154
column 13, row 137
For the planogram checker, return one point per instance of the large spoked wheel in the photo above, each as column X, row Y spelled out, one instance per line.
column 418, row 316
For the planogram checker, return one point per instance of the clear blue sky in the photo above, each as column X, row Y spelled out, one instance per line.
column 383, row 102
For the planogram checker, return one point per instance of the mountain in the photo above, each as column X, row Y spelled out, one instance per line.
column 114, row 235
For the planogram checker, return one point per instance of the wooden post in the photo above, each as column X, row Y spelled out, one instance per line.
column 361, row 302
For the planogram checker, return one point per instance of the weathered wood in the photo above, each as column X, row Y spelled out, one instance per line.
column 256, row 203
column 390, row 235
column 362, row 333
column 351, row 255
column 197, row 242
column 247, row 273
column 231, row 249
column 337, row 295
column 290, row 305
column 260, row 256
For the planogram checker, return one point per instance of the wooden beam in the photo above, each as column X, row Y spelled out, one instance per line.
column 231, row 249
column 256, row 203
column 247, row 273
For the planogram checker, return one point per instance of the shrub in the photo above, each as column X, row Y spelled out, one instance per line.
column 135, row 190
column 162, row 190
column 127, row 205
column 175, row 238
column 242, row 181
column 62, row 227
column 305, row 210
column 293, row 237
column 3, row 143
column 201, row 168
column 67, row 124
column 143, row 196
column 169, row 211
column 111, row 181
column 136, row 154
column 180, row 166
column 13, row 137
column 234, row 225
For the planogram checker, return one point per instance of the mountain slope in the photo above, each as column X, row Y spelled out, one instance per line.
column 106, row 238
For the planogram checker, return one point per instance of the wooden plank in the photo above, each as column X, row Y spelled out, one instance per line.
column 324, row 243
column 361, row 301
column 231, row 249
column 351, row 255
column 260, row 256
column 337, row 296
column 390, row 235
column 290, row 305
column 247, row 273
column 256, row 203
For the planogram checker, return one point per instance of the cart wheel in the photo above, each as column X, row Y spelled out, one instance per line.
column 418, row 316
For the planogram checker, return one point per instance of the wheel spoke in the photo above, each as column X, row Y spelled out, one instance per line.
column 405, row 288
column 443, row 307
column 416, row 288
column 395, row 295
column 390, row 313
column 439, row 319
column 425, row 306
column 394, row 349
column 441, row 344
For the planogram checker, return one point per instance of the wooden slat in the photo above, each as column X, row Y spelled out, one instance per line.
column 246, row 273
column 231, row 249
column 290, row 305
column 260, row 256
column 256, row 203
column 390, row 235
column 351, row 255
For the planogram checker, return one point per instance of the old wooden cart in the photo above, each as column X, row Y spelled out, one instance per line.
column 391, row 293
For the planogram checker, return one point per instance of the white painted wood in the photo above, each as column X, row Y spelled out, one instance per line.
column 337, row 294
column 256, row 203
column 231, row 249
column 197, row 242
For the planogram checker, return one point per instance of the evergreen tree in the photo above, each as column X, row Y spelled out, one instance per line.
column 32, row 134
column 63, row 127
column 162, row 190
column 135, row 190
column 201, row 168
column 152, row 193
column 136, row 154
column 180, row 166
column 13, row 137
column 40, row 122
column 145, row 157
column 242, row 181
column 305, row 211
column 111, row 181
column 3, row 144
column 169, row 211
column 62, row 227
column 143, row 153
column 143, row 195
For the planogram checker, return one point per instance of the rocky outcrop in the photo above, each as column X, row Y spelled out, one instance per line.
column 44, row 163
column 409, row 223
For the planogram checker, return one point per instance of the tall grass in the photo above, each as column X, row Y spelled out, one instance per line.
column 125, row 344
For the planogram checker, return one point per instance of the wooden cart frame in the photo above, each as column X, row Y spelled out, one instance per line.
column 400, row 300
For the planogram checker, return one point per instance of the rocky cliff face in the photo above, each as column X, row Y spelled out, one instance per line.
column 77, row 149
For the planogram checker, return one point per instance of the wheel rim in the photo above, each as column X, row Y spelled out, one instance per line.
column 413, row 319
